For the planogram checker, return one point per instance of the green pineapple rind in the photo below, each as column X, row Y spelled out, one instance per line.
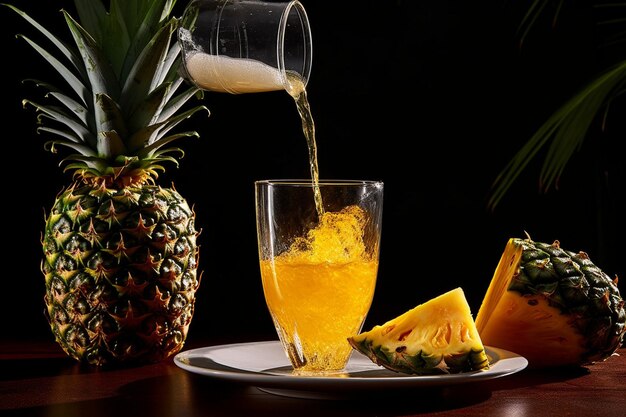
column 120, row 270
column 572, row 283
column 420, row 363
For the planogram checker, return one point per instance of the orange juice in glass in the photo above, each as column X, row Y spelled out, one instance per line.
column 318, row 264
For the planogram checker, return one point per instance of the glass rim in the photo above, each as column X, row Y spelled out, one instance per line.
column 303, row 19
column 326, row 182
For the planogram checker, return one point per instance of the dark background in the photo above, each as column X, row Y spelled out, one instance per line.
column 432, row 97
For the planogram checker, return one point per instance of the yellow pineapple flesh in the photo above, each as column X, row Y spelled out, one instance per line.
column 436, row 336
column 552, row 306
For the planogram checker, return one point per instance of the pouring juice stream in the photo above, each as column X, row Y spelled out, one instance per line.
column 237, row 76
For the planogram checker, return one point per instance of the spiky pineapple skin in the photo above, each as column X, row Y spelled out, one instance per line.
column 120, row 267
column 422, row 363
column 557, row 307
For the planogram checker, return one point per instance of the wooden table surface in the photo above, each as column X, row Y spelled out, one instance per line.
column 37, row 379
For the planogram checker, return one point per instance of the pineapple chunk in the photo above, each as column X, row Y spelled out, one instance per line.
column 437, row 336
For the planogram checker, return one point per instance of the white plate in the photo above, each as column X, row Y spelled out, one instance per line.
column 265, row 365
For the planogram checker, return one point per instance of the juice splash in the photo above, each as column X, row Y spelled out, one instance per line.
column 320, row 290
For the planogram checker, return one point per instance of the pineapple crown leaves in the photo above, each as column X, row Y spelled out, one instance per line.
column 124, row 98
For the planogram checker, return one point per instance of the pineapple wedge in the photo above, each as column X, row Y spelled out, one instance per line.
column 553, row 306
column 438, row 336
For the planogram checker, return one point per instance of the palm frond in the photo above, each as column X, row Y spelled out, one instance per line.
column 564, row 131
column 536, row 9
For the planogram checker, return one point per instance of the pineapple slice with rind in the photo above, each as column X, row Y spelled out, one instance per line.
column 438, row 336
column 552, row 306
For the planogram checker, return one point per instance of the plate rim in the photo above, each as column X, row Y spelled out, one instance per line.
column 508, row 363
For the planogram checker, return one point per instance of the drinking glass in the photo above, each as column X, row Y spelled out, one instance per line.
column 319, row 264
column 245, row 46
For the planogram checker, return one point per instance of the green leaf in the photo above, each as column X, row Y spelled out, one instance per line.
column 172, row 122
column 566, row 129
column 72, row 105
column 148, row 111
column 160, row 154
column 107, row 28
column 92, row 164
column 154, row 149
column 76, row 84
column 174, row 104
column 168, row 7
column 143, row 20
column 70, row 141
column 112, row 117
column 58, row 115
column 142, row 77
column 116, row 45
column 135, row 13
column 92, row 16
column 67, row 52
column 110, row 144
column 168, row 70
column 79, row 110
column 99, row 71
column 143, row 137
column 534, row 11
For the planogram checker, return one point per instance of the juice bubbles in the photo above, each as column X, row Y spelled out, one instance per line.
column 320, row 290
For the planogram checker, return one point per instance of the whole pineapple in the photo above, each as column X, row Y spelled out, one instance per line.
column 120, row 253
